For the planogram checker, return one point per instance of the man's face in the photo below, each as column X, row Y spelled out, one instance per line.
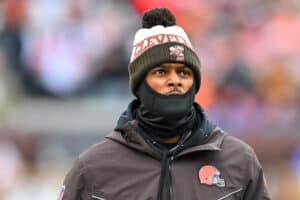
column 170, row 78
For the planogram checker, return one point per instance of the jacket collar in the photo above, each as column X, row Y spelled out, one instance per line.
column 212, row 143
column 130, row 137
column 205, row 136
column 134, row 140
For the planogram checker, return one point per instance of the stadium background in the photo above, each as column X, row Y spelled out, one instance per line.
column 63, row 82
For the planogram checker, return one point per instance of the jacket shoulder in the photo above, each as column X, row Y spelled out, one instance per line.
column 86, row 167
column 102, row 150
column 244, row 167
column 236, row 144
column 238, row 151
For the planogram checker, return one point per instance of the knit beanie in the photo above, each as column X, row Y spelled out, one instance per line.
column 160, row 41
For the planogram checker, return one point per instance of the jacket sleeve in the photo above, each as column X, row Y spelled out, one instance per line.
column 73, row 187
column 256, row 188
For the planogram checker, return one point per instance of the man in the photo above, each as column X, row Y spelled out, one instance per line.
column 163, row 146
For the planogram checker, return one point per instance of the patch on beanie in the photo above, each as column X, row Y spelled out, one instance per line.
column 177, row 52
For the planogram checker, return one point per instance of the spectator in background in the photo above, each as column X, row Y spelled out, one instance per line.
column 238, row 101
column 68, row 56
column 279, row 93
column 164, row 147
column 60, row 61
column 13, row 16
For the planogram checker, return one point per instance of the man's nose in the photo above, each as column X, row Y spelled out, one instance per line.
column 174, row 79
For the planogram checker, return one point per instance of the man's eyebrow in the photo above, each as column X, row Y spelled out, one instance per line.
column 163, row 65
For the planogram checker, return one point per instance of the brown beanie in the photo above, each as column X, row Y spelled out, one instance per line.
column 160, row 41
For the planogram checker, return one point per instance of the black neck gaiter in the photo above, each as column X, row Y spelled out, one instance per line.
column 163, row 117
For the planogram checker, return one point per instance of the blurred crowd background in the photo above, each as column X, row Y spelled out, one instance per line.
column 64, row 82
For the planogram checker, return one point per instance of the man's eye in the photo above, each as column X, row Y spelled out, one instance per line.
column 184, row 73
column 160, row 72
